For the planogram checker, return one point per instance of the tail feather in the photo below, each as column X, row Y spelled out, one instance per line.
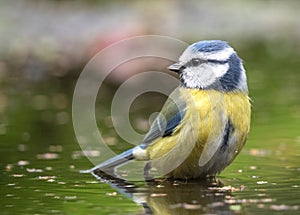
column 113, row 162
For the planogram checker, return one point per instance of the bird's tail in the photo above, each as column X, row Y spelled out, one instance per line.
column 110, row 164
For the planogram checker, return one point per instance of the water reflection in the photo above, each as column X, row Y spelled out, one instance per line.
column 161, row 196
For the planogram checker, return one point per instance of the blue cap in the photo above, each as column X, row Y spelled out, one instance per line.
column 210, row 45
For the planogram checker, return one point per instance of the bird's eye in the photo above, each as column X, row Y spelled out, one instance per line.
column 196, row 62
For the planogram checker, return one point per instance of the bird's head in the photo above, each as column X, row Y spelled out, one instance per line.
column 211, row 64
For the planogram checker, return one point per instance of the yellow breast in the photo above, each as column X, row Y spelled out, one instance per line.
column 200, row 132
column 213, row 105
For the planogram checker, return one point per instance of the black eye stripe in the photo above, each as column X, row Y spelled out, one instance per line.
column 218, row 61
column 197, row 61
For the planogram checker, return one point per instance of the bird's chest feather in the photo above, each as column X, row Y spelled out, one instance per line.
column 209, row 111
column 219, row 124
column 213, row 129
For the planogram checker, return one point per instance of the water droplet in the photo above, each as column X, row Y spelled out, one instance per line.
column 47, row 156
column 261, row 182
column 23, row 163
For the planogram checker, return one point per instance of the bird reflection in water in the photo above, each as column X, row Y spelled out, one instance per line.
column 162, row 196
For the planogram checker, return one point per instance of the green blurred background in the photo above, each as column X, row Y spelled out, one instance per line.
column 44, row 46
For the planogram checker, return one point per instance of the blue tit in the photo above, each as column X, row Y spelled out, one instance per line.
column 204, row 123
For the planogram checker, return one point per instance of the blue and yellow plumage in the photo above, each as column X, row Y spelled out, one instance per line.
column 204, row 123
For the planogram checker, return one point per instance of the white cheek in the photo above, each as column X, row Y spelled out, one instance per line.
column 219, row 69
column 207, row 74
column 201, row 76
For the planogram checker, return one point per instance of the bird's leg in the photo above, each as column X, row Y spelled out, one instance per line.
column 147, row 174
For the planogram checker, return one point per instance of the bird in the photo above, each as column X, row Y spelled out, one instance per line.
column 204, row 123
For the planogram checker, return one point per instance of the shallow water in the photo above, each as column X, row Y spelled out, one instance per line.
column 41, row 159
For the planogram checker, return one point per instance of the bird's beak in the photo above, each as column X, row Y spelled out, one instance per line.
column 176, row 67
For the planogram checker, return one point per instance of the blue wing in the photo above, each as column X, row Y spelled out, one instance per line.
column 164, row 125
column 166, row 122
column 172, row 124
